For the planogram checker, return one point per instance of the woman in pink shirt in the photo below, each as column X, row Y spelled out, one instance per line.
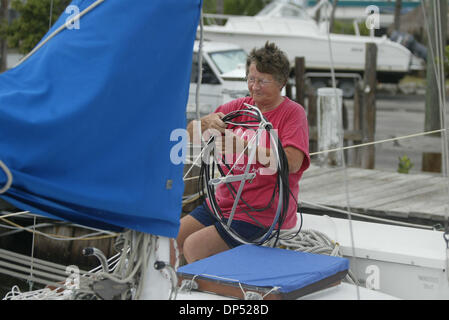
column 201, row 235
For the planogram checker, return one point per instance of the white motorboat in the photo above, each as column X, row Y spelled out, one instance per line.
column 394, row 262
column 223, row 77
column 294, row 31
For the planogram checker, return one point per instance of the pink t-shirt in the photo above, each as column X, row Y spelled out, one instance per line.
column 290, row 122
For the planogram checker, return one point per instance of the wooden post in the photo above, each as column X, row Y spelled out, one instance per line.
column 330, row 133
column 312, row 117
column 357, row 123
column 3, row 45
column 288, row 90
column 397, row 14
column 300, row 69
column 432, row 161
column 369, row 102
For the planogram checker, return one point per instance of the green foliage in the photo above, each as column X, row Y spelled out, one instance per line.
column 244, row 7
column 345, row 27
column 237, row 7
column 405, row 164
column 32, row 24
column 210, row 6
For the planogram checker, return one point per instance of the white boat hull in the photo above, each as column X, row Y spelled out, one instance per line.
column 404, row 262
column 348, row 52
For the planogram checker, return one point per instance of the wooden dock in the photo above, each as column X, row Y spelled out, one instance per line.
column 408, row 197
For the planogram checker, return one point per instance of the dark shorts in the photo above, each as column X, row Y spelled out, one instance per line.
column 245, row 230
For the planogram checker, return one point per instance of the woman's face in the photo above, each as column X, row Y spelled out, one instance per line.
column 263, row 88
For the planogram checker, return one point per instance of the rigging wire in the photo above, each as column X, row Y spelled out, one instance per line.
column 200, row 67
column 92, row 236
column 346, row 185
column 51, row 15
column 440, row 81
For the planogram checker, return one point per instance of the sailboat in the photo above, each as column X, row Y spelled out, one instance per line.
column 292, row 28
column 93, row 137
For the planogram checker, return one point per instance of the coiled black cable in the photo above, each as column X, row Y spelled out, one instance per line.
column 281, row 186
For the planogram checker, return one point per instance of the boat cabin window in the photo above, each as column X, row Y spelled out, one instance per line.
column 229, row 60
column 208, row 76
column 284, row 10
column 293, row 12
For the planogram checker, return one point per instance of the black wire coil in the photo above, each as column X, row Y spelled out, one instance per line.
column 281, row 186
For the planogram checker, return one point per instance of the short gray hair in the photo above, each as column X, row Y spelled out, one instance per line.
column 270, row 59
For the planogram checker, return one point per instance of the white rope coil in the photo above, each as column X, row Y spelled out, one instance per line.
column 127, row 267
column 313, row 241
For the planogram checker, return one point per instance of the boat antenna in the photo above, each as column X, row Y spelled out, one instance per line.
column 346, row 184
column 200, row 67
column 51, row 15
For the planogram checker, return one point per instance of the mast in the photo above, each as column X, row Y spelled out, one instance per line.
column 437, row 33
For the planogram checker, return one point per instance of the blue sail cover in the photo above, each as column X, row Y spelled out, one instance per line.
column 85, row 122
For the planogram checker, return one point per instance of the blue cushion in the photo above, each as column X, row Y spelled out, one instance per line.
column 267, row 267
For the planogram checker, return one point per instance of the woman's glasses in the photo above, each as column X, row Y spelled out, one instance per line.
column 260, row 82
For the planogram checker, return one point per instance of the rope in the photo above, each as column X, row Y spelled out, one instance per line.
column 380, row 141
column 89, row 237
column 43, row 294
column 414, row 135
column 128, row 267
column 314, row 241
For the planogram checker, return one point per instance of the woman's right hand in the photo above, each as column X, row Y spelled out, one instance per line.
column 211, row 125
column 213, row 122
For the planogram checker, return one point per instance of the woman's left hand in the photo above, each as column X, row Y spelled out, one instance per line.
column 230, row 143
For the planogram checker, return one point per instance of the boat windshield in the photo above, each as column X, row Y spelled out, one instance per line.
column 228, row 60
column 280, row 9
column 267, row 9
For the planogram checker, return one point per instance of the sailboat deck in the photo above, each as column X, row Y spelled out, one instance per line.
column 376, row 192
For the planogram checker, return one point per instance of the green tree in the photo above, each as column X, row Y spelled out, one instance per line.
column 32, row 23
column 237, row 7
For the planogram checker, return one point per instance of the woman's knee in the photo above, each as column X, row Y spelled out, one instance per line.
column 202, row 244
column 188, row 248
column 188, row 226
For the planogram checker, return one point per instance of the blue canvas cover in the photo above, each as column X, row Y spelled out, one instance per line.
column 85, row 122
column 267, row 267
